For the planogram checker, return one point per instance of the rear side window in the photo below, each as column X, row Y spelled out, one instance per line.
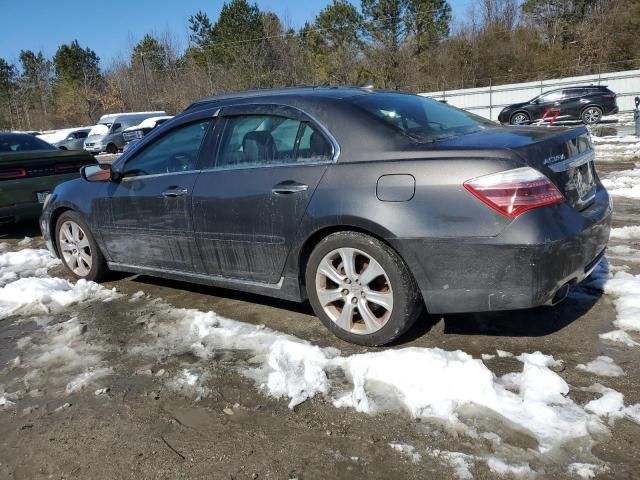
column 176, row 151
column 260, row 140
column 420, row 118
column 22, row 143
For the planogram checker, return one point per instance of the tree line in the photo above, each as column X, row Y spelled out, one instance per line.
column 396, row 44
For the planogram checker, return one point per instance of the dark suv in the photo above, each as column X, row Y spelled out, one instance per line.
column 588, row 104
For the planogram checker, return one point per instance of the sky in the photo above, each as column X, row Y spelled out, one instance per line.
column 111, row 27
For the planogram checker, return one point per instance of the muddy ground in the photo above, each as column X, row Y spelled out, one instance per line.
column 141, row 428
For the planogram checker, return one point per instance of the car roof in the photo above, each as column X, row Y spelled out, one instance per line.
column 571, row 87
column 327, row 92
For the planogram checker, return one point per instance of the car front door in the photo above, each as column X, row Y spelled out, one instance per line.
column 544, row 103
column 147, row 221
column 250, row 198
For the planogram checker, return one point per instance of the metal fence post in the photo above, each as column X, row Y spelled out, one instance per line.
column 636, row 115
column 490, row 98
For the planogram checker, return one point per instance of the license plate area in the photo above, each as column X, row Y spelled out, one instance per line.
column 41, row 196
column 583, row 179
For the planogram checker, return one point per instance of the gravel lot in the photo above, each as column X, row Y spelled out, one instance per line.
column 110, row 383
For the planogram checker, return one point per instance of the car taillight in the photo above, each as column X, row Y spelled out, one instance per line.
column 513, row 192
column 11, row 173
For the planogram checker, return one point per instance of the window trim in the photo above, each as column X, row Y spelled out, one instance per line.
column 276, row 110
column 136, row 153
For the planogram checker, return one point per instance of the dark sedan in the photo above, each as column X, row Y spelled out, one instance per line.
column 586, row 103
column 30, row 168
column 370, row 204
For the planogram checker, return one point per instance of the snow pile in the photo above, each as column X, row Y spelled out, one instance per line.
column 603, row 366
column 625, row 288
column 25, row 263
column 534, row 400
column 502, row 468
column 33, row 296
column 611, row 404
column 625, row 183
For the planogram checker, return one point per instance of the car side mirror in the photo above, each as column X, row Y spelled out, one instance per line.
column 535, row 102
column 97, row 173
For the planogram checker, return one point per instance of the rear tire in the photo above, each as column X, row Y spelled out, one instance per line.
column 371, row 302
column 77, row 248
column 591, row 115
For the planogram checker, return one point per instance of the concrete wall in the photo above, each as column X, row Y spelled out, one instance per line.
column 488, row 101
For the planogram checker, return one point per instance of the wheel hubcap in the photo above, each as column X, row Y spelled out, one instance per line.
column 592, row 115
column 75, row 248
column 354, row 291
column 519, row 119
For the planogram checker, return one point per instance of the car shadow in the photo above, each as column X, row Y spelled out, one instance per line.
column 302, row 308
column 532, row 322
column 17, row 231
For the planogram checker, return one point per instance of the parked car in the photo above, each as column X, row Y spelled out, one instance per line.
column 29, row 169
column 74, row 140
column 133, row 134
column 369, row 203
column 585, row 103
column 107, row 137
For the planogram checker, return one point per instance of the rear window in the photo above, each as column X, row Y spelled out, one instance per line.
column 421, row 118
column 22, row 143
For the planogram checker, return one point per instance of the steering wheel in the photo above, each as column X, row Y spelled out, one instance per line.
column 179, row 162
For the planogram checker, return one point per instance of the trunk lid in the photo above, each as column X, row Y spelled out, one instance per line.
column 564, row 155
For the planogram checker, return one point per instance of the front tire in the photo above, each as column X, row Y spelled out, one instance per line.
column 519, row 118
column 591, row 115
column 77, row 248
column 361, row 289
column 112, row 149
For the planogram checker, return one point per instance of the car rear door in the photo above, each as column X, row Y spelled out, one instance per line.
column 147, row 219
column 255, row 187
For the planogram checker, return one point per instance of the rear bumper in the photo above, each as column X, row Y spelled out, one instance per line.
column 523, row 267
column 18, row 212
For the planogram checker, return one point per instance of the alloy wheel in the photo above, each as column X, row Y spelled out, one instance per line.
column 591, row 115
column 75, row 248
column 354, row 291
column 519, row 119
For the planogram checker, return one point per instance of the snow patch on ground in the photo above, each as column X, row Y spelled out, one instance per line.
column 535, row 399
column 61, row 356
column 629, row 232
column 603, row 366
column 503, row 468
column 460, row 462
column 407, row 450
column 625, row 183
column 586, row 470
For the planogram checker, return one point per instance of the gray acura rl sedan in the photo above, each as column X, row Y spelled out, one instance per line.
column 371, row 204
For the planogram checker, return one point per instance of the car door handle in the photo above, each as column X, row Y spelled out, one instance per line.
column 173, row 192
column 288, row 187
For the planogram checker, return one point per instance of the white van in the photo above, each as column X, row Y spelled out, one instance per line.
column 106, row 136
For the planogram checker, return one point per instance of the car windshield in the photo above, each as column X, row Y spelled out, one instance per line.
column 421, row 118
column 22, row 143
column 100, row 129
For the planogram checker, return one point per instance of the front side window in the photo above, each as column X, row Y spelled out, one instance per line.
column 551, row 97
column 259, row 140
column 421, row 118
column 176, row 151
